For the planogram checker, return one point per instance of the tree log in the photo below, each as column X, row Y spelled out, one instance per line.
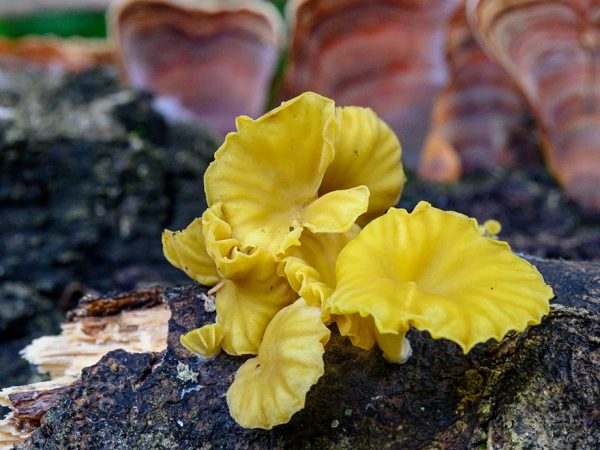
column 536, row 389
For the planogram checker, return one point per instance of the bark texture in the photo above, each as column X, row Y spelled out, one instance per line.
column 89, row 177
column 537, row 389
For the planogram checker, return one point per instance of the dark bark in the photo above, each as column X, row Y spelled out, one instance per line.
column 89, row 177
column 536, row 389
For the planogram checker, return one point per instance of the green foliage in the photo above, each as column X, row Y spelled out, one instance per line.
column 63, row 24
column 280, row 4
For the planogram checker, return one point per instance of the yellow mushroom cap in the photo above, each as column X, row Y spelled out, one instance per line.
column 251, row 290
column 205, row 341
column 186, row 250
column 492, row 228
column 267, row 176
column 433, row 270
column 367, row 152
column 269, row 389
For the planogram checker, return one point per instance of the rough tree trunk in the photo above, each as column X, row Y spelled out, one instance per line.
column 537, row 389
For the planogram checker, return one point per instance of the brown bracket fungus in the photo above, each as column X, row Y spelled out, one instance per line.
column 388, row 55
column 478, row 120
column 551, row 48
column 207, row 61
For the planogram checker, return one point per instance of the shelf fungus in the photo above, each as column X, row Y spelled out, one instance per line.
column 207, row 61
column 270, row 388
column 550, row 48
column 479, row 118
column 388, row 55
column 434, row 270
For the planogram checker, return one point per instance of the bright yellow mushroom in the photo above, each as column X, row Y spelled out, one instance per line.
column 205, row 341
column 271, row 387
column 367, row 152
column 267, row 176
column 433, row 270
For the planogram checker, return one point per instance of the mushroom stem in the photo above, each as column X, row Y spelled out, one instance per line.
column 396, row 348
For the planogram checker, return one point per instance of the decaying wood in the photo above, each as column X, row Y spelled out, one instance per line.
column 29, row 404
column 135, row 322
column 537, row 389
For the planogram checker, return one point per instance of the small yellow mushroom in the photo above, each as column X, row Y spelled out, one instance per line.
column 490, row 228
column 269, row 389
column 205, row 341
column 433, row 270
column 367, row 152
column 267, row 176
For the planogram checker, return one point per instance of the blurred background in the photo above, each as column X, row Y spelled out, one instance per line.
column 111, row 111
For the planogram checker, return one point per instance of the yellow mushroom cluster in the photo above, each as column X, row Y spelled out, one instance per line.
column 282, row 244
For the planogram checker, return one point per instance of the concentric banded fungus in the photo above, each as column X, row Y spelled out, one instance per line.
column 551, row 50
column 270, row 388
column 206, row 60
column 433, row 270
column 479, row 115
column 386, row 54
column 267, row 177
